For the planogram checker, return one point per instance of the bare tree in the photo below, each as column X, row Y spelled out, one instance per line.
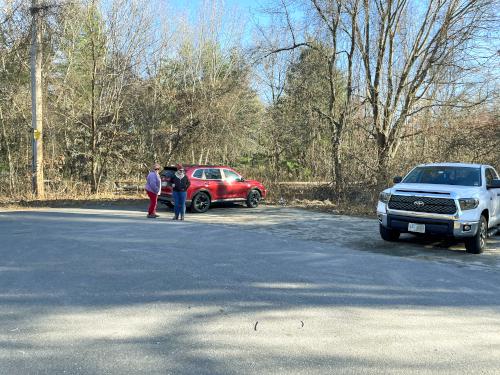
column 102, row 63
column 334, row 23
column 14, row 46
column 411, row 50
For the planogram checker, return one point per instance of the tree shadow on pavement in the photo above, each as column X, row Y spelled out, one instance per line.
column 94, row 291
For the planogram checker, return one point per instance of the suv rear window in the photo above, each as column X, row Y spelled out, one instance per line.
column 167, row 173
column 464, row 176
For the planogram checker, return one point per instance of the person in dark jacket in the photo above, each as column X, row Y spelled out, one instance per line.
column 180, row 184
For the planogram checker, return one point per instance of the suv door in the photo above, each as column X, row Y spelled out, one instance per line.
column 197, row 180
column 490, row 175
column 235, row 188
column 214, row 184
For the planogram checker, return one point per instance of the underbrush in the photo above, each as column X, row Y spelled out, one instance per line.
column 53, row 199
column 356, row 200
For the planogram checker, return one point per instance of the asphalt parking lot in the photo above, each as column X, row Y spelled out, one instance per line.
column 102, row 290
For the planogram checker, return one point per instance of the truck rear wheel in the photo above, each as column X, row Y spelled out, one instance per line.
column 477, row 244
column 388, row 234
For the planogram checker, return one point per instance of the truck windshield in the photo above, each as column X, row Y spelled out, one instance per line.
column 464, row 176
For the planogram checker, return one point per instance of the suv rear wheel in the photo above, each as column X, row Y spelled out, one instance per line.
column 253, row 198
column 200, row 202
column 388, row 234
column 477, row 244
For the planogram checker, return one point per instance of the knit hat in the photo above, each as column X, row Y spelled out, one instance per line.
column 179, row 166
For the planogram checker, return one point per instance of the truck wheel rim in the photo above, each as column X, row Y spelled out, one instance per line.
column 482, row 234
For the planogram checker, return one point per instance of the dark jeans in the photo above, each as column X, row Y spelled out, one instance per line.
column 179, row 203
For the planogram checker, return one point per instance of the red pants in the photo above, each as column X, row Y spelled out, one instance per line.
column 153, row 201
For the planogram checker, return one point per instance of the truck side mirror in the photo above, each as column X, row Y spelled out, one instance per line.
column 495, row 184
column 397, row 179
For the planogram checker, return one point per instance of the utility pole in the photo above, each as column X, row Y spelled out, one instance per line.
column 36, row 99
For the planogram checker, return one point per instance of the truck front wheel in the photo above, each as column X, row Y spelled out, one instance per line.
column 388, row 234
column 477, row 244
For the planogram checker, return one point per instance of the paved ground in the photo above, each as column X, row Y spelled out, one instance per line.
column 239, row 291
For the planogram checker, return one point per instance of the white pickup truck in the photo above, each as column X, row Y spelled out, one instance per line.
column 446, row 199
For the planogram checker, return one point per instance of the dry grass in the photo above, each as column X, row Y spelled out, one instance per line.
column 357, row 201
column 313, row 196
column 74, row 200
column 68, row 193
column 327, row 206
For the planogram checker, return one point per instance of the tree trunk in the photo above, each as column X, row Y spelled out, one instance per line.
column 337, row 166
column 9, row 155
column 200, row 159
column 94, row 187
column 384, row 158
column 206, row 157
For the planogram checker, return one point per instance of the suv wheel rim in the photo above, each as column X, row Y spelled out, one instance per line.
column 201, row 202
column 482, row 234
column 254, row 198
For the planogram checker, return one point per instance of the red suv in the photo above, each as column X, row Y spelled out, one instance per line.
column 210, row 183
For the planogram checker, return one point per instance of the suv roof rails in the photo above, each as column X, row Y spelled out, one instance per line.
column 172, row 167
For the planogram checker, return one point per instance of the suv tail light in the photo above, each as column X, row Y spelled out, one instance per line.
column 164, row 184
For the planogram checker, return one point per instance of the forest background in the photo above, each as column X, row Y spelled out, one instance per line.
column 340, row 94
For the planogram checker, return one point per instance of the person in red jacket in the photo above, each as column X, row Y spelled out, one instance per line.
column 180, row 184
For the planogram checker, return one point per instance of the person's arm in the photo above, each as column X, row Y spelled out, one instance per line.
column 158, row 183
column 188, row 183
column 150, row 182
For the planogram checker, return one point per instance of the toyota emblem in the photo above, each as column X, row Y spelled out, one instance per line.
column 419, row 203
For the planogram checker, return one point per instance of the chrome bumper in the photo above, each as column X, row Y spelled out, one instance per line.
column 461, row 228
